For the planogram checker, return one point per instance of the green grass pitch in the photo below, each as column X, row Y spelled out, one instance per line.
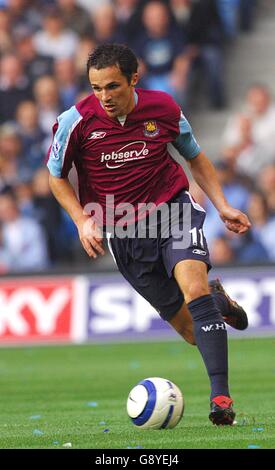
column 55, row 395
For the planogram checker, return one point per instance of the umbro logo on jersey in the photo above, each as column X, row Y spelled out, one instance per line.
column 97, row 135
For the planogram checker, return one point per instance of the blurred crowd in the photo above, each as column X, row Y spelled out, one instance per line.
column 246, row 171
column 44, row 47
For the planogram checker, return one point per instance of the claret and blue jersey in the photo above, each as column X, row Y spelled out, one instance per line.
column 128, row 160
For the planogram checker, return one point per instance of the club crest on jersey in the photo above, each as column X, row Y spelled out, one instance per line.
column 151, row 129
column 97, row 135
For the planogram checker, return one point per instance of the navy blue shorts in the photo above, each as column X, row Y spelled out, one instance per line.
column 148, row 263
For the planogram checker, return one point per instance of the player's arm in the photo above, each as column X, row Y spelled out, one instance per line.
column 60, row 159
column 89, row 233
column 205, row 176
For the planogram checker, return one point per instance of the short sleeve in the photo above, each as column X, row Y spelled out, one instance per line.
column 186, row 143
column 62, row 151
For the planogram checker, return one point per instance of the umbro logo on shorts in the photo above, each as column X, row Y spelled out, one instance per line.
column 97, row 135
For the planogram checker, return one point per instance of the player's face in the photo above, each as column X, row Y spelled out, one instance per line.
column 113, row 90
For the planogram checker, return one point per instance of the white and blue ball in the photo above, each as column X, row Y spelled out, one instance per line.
column 155, row 403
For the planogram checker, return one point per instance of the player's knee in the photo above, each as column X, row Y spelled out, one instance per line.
column 195, row 290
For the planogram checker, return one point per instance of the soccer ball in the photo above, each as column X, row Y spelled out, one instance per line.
column 155, row 403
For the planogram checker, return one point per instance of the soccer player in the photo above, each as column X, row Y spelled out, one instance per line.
column 117, row 140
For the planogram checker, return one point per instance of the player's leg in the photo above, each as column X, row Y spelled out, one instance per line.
column 210, row 335
column 149, row 278
column 232, row 313
column 192, row 278
column 183, row 324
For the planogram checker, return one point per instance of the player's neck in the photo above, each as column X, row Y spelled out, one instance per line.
column 131, row 105
column 122, row 119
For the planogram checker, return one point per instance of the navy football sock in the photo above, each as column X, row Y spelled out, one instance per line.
column 211, row 338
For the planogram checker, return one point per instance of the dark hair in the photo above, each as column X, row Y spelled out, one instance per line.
column 107, row 55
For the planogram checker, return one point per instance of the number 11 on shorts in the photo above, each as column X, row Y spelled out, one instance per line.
column 195, row 234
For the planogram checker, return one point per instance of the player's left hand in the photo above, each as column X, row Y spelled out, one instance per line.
column 235, row 220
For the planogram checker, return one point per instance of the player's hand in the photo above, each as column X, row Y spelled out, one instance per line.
column 90, row 236
column 235, row 220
